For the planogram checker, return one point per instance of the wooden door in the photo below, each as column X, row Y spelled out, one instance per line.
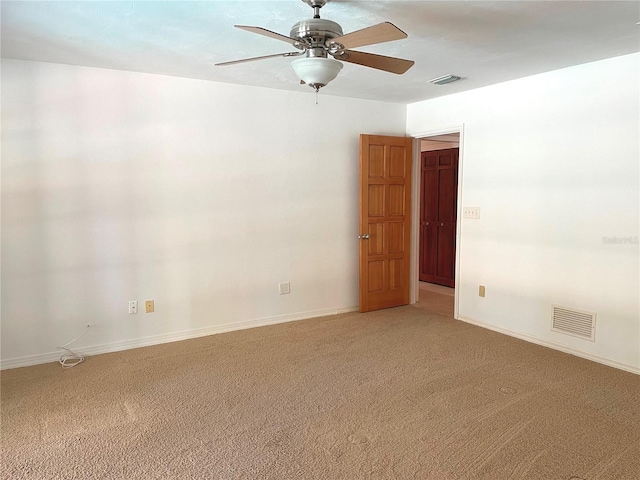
column 385, row 221
column 438, row 215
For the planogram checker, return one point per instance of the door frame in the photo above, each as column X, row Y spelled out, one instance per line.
column 414, row 287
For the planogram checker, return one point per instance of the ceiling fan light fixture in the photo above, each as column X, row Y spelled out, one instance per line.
column 318, row 39
column 316, row 71
column 443, row 80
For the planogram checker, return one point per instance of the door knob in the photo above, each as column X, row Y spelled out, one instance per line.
column 442, row 224
column 364, row 237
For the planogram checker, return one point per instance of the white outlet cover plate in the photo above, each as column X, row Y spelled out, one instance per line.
column 133, row 307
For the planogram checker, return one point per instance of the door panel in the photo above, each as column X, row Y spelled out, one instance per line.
column 376, row 161
column 376, row 239
column 445, row 257
column 376, row 275
column 446, row 195
column 385, row 205
column 396, row 274
column 429, row 251
column 430, row 195
column 376, row 200
column 397, row 163
column 396, row 200
column 396, row 237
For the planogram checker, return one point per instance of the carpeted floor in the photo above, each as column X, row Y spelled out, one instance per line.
column 395, row 394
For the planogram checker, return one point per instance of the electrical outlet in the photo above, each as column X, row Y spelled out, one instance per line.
column 133, row 307
column 285, row 288
column 471, row 212
column 481, row 290
column 148, row 306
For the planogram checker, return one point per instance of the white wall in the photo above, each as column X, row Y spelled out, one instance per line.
column 202, row 196
column 553, row 162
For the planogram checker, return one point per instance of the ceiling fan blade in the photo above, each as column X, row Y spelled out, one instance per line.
column 383, row 32
column 388, row 64
column 269, row 33
column 233, row 62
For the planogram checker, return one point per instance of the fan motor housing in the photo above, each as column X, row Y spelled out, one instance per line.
column 315, row 31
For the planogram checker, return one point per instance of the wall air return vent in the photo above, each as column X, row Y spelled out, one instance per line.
column 574, row 322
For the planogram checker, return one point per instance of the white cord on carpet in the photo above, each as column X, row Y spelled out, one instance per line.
column 71, row 358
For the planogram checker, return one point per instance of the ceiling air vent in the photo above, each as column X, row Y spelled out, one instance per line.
column 443, row 80
column 574, row 322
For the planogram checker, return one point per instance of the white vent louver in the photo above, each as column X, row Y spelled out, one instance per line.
column 574, row 322
column 443, row 80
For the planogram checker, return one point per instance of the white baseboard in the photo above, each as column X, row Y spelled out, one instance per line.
column 172, row 337
column 260, row 322
column 545, row 343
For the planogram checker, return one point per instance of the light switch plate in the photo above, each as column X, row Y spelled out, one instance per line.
column 471, row 212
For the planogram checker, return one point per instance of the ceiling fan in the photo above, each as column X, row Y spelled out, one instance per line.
column 318, row 39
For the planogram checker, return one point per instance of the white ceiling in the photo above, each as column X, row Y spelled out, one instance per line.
column 483, row 42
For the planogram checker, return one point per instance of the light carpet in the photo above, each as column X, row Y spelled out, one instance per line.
column 393, row 394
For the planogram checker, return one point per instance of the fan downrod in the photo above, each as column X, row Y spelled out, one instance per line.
column 316, row 5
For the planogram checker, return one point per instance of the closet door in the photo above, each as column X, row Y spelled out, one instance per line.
column 439, row 192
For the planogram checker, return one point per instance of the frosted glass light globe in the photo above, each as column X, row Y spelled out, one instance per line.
column 316, row 71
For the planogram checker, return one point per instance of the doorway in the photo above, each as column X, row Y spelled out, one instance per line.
column 437, row 184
